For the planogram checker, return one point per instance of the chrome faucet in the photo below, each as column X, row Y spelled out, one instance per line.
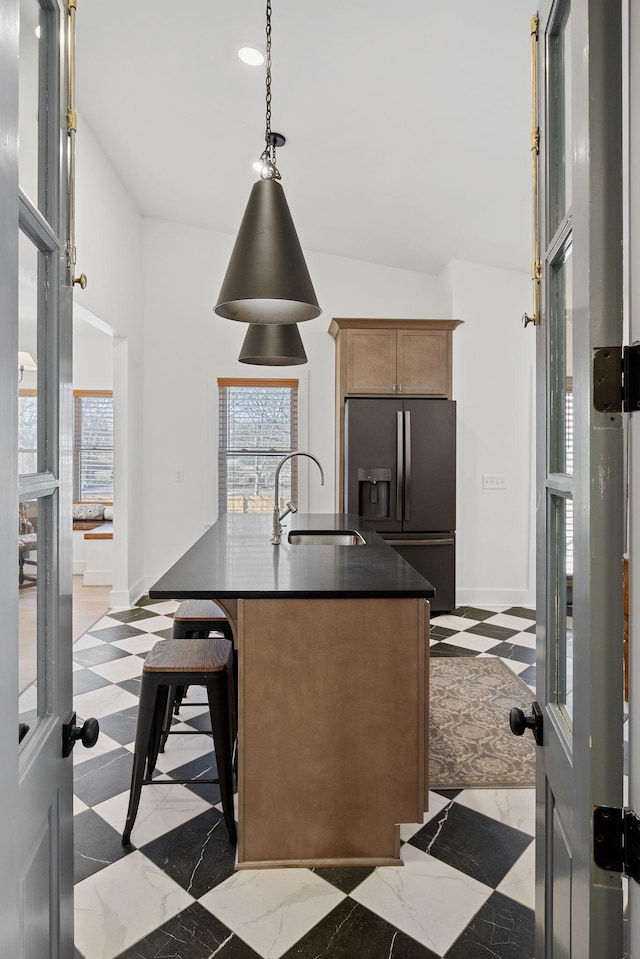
column 290, row 508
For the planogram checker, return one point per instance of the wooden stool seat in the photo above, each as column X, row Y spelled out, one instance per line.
column 204, row 662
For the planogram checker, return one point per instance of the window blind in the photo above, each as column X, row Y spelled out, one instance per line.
column 93, row 446
column 257, row 426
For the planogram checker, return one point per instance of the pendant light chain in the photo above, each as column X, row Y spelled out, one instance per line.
column 269, row 156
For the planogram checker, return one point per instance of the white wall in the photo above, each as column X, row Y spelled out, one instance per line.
column 109, row 251
column 494, row 384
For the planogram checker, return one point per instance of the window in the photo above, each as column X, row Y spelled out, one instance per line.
column 258, row 425
column 93, row 446
column 27, row 431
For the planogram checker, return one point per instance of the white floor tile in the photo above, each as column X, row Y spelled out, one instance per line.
column 425, row 898
column 515, row 666
column 513, row 807
column 528, row 640
column 436, row 804
column 79, row 806
column 127, row 667
column 122, row 903
column 104, row 701
column 183, row 749
column 137, row 644
column 164, row 606
column 520, row 881
column 270, row 909
column 156, row 623
column 88, row 641
column 161, row 809
column 480, row 644
column 104, row 745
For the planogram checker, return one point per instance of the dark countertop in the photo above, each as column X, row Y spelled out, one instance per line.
column 235, row 560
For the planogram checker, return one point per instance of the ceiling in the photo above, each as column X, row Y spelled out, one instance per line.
column 407, row 123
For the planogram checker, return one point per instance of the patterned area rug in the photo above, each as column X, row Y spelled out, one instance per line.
column 471, row 745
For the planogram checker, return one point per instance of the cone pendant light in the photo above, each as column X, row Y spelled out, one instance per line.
column 267, row 280
column 273, row 344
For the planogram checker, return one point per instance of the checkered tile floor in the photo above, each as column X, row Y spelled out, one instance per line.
column 465, row 891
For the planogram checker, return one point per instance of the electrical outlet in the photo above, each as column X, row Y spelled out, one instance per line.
column 494, row 482
column 178, row 476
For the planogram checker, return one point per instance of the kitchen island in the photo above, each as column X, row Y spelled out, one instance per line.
column 332, row 647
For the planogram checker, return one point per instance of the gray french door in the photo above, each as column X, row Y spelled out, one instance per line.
column 580, row 516
column 36, row 842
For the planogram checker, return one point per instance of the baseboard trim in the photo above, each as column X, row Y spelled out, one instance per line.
column 496, row 598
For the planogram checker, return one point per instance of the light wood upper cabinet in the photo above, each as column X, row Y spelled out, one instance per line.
column 393, row 357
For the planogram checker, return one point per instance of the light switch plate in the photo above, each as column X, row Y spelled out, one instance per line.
column 495, row 481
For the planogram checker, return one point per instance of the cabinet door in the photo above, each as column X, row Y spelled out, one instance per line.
column 371, row 361
column 424, row 362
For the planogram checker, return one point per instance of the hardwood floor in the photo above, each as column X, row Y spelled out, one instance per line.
column 90, row 603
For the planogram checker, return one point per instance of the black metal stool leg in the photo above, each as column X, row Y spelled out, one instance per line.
column 159, row 726
column 221, row 723
column 143, row 732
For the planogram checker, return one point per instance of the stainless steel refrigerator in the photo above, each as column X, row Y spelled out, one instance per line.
column 400, row 476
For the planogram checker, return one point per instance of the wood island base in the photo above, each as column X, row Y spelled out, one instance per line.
column 332, row 728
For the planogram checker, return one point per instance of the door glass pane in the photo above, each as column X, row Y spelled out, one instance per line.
column 27, row 362
column 31, row 675
column 560, row 581
column 561, row 364
column 559, row 123
column 35, row 27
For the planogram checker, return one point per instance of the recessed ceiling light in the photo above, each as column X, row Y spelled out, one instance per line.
column 251, row 55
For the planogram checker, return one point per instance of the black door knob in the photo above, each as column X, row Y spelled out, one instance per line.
column 87, row 734
column 519, row 722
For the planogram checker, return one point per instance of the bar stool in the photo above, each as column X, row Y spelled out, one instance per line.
column 204, row 662
column 196, row 618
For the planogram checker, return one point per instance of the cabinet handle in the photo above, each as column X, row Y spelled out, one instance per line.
column 393, row 387
column 399, row 387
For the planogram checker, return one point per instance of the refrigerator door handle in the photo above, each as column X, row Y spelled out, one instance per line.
column 407, row 465
column 400, row 466
column 448, row 541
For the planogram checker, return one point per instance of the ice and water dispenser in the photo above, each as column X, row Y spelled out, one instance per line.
column 374, row 493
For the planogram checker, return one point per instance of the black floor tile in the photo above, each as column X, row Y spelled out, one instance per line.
column 110, row 633
column 447, row 793
column 103, row 777
column 473, row 843
column 351, row 931
column 345, row 878
column 121, row 726
column 85, row 680
column 492, row 631
column 131, row 686
column 94, row 655
column 192, row 934
column 146, row 601
column 521, row 611
column 521, row 654
column 441, row 632
column 163, row 633
column 96, row 845
column 530, row 629
column 445, row 649
column 202, row 768
column 502, row 929
column 197, row 854
column 528, row 676
column 133, row 615
column 473, row 612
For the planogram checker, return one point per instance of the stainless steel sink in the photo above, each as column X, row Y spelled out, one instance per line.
column 326, row 537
